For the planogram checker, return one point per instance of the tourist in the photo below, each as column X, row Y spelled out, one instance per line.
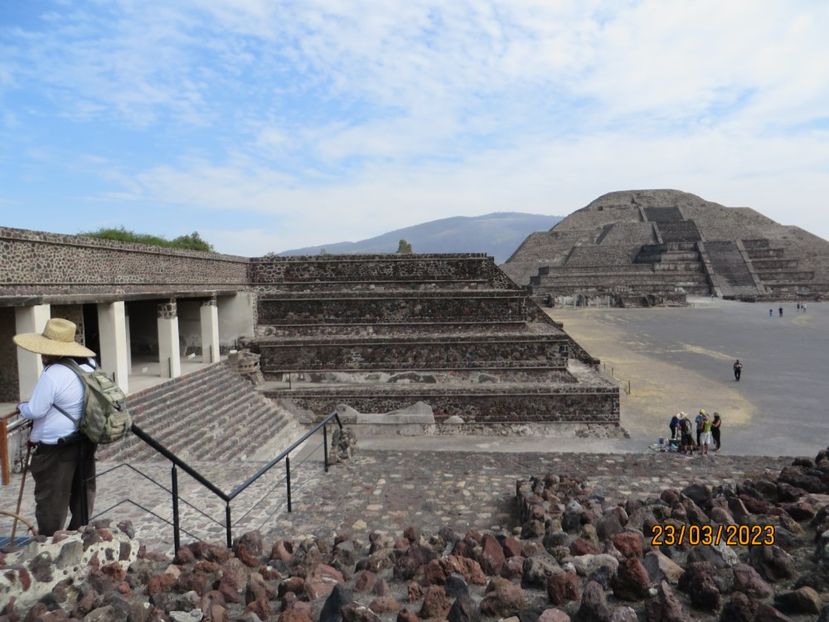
column 63, row 457
column 803, row 307
column 780, row 310
column 771, row 312
column 715, row 431
column 698, row 420
column 675, row 424
column 798, row 307
column 706, row 435
column 738, row 370
column 686, row 442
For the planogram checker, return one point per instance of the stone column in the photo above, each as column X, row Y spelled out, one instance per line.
column 129, row 341
column 169, row 356
column 210, row 332
column 112, row 329
column 29, row 320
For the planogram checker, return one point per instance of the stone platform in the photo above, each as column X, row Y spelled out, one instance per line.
column 379, row 333
column 387, row 490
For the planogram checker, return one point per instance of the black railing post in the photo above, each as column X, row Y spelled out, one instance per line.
column 228, row 525
column 176, row 533
column 325, row 445
column 288, row 479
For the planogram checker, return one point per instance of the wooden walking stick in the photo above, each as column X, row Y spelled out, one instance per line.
column 20, row 494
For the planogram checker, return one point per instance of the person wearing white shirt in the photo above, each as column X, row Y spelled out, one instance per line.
column 63, row 463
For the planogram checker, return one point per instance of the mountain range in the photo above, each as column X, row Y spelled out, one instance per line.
column 497, row 234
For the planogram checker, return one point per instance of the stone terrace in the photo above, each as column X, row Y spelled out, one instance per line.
column 346, row 327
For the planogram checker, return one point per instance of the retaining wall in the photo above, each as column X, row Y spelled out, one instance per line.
column 415, row 353
column 400, row 307
column 37, row 263
column 501, row 405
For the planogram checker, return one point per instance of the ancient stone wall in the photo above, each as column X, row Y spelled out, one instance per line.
column 605, row 255
column 391, row 269
column 541, row 405
column 424, row 354
column 403, row 307
column 37, row 263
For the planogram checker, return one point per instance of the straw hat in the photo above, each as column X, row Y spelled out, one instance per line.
column 57, row 339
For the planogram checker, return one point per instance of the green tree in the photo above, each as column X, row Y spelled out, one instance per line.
column 193, row 242
column 404, row 248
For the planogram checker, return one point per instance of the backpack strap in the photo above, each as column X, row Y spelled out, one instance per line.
column 80, row 373
column 68, row 416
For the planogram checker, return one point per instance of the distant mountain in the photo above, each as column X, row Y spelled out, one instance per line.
column 497, row 234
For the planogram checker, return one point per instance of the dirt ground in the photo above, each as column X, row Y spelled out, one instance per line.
column 680, row 359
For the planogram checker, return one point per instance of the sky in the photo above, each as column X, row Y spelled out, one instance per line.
column 273, row 124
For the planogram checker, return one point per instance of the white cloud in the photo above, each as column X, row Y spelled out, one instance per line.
column 539, row 178
column 347, row 117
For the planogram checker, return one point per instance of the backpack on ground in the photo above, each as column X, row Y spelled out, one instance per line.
column 105, row 418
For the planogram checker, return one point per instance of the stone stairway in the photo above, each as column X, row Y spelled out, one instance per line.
column 211, row 414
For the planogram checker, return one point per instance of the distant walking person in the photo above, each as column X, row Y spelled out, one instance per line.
column 771, row 312
column 738, row 370
column 780, row 311
column 715, row 430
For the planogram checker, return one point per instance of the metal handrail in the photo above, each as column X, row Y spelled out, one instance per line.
column 201, row 479
column 236, row 491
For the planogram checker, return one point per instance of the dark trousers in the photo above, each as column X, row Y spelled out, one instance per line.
column 59, row 472
column 715, row 433
column 737, row 373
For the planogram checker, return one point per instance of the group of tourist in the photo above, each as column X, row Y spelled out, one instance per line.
column 801, row 308
column 707, row 432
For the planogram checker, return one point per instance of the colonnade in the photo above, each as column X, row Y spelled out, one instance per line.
column 114, row 338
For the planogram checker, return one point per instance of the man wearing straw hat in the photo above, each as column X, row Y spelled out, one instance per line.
column 63, row 456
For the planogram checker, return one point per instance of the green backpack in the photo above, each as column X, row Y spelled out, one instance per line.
column 105, row 417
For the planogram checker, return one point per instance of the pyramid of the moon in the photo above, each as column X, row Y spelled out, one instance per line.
column 652, row 245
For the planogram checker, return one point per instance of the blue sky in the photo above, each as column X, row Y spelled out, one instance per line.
column 268, row 124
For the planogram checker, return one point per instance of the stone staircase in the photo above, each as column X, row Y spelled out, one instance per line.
column 211, row 414
column 657, row 269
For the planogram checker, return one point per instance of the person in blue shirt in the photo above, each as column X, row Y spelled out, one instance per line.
column 63, row 457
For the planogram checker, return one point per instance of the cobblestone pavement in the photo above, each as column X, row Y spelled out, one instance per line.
column 382, row 490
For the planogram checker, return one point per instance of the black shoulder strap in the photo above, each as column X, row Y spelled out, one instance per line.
column 68, row 416
column 80, row 373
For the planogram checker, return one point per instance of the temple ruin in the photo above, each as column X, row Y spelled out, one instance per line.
column 375, row 333
column 653, row 246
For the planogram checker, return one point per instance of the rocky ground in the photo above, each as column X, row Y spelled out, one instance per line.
column 577, row 551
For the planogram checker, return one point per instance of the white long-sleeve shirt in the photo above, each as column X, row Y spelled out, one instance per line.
column 57, row 385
